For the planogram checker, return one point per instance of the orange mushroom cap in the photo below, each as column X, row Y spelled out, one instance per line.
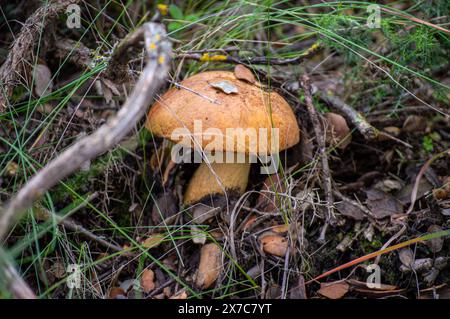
column 251, row 107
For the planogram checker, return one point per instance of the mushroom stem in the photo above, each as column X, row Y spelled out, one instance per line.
column 214, row 178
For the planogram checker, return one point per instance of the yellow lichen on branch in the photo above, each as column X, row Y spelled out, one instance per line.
column 163, row 8
column 209, row 58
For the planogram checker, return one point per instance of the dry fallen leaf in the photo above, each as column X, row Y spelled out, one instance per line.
column 165, row 209
column 414, row 124
column 180, row 295
column 274, row 244
column 380, row 293
column 443, row 193
column 388, row 185
column 129, row 284
column 243, row 73
column 298, row 291
column 382, row 204
column 268, row 199
column 148, row 280
column 43, row 84
column 273, row 291
column 217, row 234
column 334, row 290
column 198, row 235
column 210, row 266
column 44, row 108
column 153, row 241
column 404, row 194
column 225, row 86
column 349, row 210
column 116, row 292
column 338, row 132
column 435, row 244
column 406, row 256
column 419, row 265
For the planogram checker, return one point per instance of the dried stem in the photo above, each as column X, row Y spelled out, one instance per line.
column 320, row 139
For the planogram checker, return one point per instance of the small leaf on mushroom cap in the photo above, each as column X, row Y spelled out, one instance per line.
column 225, row 86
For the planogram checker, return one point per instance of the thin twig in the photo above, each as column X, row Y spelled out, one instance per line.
column 390, row 241
column 70, row 224
column 360, row 122
column 285, row 272
column 222, row 50
column 181, row 86
column 393, row 138
column 419, row 177
column 320, row 139
column 369, row 256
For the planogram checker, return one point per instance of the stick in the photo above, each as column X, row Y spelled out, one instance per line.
column 71, row 225
column 262, row 60
column 105, row 137
column 13, row 67
column 320, row 138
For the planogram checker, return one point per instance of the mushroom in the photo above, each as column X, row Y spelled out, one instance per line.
column 205, row 107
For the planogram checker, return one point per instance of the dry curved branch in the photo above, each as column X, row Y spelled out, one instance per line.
column 106, row 136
